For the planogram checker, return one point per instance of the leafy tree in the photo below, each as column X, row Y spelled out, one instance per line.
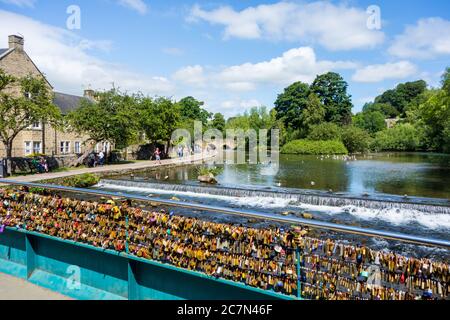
column 190, row 108
column 402, row 137
column 314, row 112
column 24, row 101
column 324, row 132
column 159, row 118
column 218, row 122
column 355, row 139
column 331, row 89
column 372, row 121
column 112, row 117
column 290, row 104
column 402, row 95
column 385, row 108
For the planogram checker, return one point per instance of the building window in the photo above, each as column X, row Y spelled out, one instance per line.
column 77, row 147
column 37, row 147
column 28, row 149
column 64, row 147
column 36, row 125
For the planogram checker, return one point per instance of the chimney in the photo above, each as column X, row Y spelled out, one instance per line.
column 16, row 42
column 89, row 94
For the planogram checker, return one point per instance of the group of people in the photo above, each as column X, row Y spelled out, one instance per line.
column 95, row 160
column 263, row 258
column 40, row 165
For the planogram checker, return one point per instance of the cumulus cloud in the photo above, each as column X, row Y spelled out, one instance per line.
column 193, row 75
column 427, row 39
column 137, row 5
column 335, row 27
column 20, row 3
column 68, row 60
column 381, row 72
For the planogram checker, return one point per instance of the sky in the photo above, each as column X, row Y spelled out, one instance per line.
column 233, row 55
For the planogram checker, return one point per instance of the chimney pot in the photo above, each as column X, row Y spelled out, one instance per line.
column 16, row 42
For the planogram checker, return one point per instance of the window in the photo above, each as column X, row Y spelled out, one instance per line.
column 37, row 147
column 36, row 125
column 64, row 147
column 28, row 148
column 77, row 147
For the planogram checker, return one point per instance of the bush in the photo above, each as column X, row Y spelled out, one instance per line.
column 355, row 139
column 402, row 137
column 371, row 121
column 85, row 180
column 314, row 147
column 324, row 132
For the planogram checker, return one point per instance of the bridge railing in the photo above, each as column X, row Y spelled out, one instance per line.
column 406, row 238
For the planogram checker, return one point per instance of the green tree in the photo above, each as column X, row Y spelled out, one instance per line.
column 385, row 108
column 159, row 118
column 290, row 104
column 314, row 112
column 324, row 132
column 402, row 95
column 331, row 89
column 190, row 108
column 402, row 137
column 218, row 122
column 372, row 121
column 24, row 101
column 112, row 117
column 355, row 139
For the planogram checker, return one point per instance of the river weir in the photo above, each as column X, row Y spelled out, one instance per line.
column 314, row 198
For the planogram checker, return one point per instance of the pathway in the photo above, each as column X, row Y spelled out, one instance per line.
column 112, row 168
column 13, row 288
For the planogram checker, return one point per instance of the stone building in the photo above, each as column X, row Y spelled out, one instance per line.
column 41, row 137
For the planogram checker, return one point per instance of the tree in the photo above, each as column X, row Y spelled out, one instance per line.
column 402, row 95
column 314, row 112
column 324, row 132
column 159, row 118
column 24, row 101
column 218, row 122
column 355, row 139
column 291, row 103
column 385, row 108
column 402, row 137
column 190, row 108
column 331, row 89
column 372, row 121
column 112, row 117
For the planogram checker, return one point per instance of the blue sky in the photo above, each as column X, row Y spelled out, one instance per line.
column 231, row 54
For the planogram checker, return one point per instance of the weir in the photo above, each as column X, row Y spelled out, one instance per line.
column 439, row 206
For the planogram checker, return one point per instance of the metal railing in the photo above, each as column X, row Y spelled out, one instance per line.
column 249, row 214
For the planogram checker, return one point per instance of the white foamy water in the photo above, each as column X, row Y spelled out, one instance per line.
column 394, row 216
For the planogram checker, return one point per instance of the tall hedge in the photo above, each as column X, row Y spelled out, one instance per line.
column 314, row 147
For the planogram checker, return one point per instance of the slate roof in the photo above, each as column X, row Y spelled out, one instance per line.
column 67, row 102
column 3, row 51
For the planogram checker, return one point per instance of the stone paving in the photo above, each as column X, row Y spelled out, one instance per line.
column 12, row 288
column 112, row 168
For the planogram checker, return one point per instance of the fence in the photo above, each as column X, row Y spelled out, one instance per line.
column 144, row 283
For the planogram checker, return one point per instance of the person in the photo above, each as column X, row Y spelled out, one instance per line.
column 101, row 158
column 180, row 151
column 44, row 164
column 158, row 155
column 91, row 160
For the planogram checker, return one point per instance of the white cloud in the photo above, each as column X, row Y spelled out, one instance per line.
column 191, row 75
column 427, row 39
column 336, row 27
column 137, row 5
column 298, row 64
column 381, row 72
column 67, row 60
column 20, row 3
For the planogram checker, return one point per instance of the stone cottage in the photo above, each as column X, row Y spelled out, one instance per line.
column 41, row 138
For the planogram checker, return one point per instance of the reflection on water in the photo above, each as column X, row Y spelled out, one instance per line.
column 414, row 174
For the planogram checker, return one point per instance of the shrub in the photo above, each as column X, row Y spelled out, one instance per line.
column 314, row 147
column 324, row 132
column 402, row 137
column 371, row 121
column 355, row 139
column 85, row 180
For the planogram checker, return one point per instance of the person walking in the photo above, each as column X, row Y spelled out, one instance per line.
column 157, row 155
column 101, row 158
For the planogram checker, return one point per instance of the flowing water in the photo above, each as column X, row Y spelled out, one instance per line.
column 369, row 191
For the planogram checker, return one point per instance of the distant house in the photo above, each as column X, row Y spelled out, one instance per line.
column 41, row 137
column 390, row 123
